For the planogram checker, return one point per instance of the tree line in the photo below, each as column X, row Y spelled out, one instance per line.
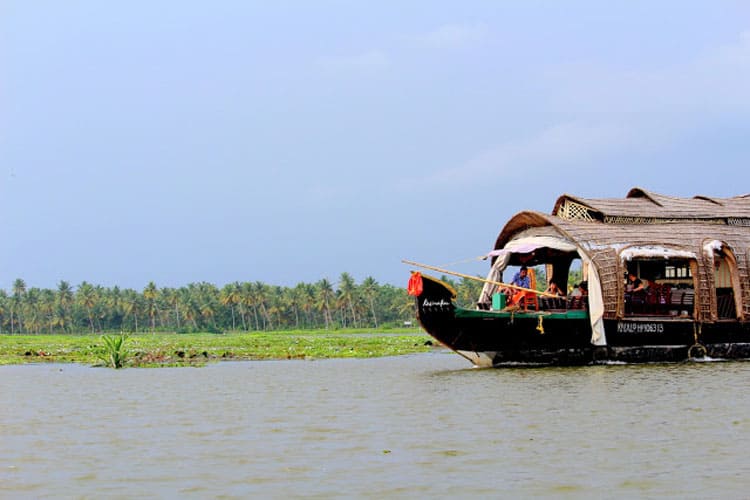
column 204, row 307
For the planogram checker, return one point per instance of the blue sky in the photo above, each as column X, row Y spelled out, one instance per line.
column 292, row 141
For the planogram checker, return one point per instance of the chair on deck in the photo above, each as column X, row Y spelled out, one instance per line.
column 530, row 298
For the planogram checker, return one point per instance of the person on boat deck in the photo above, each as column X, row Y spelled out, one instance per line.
column 634, row 284
column 522, row 279
column 580, row 290
column 554, row 289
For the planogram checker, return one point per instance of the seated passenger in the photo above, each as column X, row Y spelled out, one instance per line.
column 520, row 279
column 554, row 289
column 634, row 284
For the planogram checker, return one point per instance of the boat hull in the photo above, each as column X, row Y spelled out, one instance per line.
column 497, row 338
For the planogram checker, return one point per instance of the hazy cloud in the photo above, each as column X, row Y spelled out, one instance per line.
column 370, row 61
column 619, row 110
column 559, row 144
column 715, row 80
column 452, row 36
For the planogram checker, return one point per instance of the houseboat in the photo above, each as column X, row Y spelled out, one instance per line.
column 668, row 280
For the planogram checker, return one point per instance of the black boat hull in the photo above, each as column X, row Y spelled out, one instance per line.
column 496, row 338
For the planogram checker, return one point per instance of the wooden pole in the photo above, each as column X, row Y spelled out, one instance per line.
column 475, row 278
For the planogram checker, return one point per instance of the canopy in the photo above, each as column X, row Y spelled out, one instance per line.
column 526, row 243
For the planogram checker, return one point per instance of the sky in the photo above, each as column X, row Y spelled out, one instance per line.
column 290, row 141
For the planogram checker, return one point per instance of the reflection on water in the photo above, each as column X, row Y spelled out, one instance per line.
column 424, row 425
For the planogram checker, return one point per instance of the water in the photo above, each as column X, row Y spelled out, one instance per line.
column 414, row 426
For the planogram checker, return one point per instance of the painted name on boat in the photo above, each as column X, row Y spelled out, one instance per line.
column 442, row 304
column 640, row 327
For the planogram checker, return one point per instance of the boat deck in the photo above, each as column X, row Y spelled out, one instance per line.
column 520, row 313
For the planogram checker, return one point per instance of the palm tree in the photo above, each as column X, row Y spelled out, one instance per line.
column 248, row 300
column 188, row 304
column 230, row 296
column 31, row 311
column 171, row 297
column 370, row 290
column 47, row 307
column 208, row 297
column 132, row 305
column 306, row 294
column 86, row 297
column 325, row 295
column 19, row 290
column 347, row 295
column 260, row 298
column 3, row 307
column 149, row 295
column 65, row 301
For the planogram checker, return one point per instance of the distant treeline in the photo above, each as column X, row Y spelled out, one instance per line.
column 203, row 307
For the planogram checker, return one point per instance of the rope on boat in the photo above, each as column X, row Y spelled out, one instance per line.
column 697, row 346
column 540, row 326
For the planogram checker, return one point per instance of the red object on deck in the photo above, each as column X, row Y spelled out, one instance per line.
column 415, row 284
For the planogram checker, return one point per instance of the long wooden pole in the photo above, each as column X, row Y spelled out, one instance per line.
column 475, row 278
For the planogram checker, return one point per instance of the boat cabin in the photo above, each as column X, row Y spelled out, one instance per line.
column 644, row 256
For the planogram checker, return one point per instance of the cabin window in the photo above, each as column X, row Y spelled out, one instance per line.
column 675, row 271
column 659, row 287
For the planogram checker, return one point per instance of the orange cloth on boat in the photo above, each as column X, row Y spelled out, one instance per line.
column 415, row 285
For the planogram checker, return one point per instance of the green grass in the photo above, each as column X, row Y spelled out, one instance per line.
column 170, row 349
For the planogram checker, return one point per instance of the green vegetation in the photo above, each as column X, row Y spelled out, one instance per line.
column 203, row 307
column 113, row 353
column 169, row 349
column 200, row 322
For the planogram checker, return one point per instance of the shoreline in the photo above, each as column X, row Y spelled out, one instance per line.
column 197, row 349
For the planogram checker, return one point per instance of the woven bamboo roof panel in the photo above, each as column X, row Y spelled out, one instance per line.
column 642, row 205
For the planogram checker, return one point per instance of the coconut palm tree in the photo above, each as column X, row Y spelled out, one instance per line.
column 65, row 300
column 347, row 296
column 230, row 296
column 46, row 307
column 150, row 294
column 325, row 296
column 260, row 297
column 3, row 308
column 31, row 311
column 132, row 305
column 171, row 298
column 248, row 300
column 19, row 290
column 369, row 289
column 86, row 297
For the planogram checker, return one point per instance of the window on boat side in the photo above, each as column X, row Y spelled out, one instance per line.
column 659, row 287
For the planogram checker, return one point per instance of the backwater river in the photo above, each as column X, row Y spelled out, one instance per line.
column 415, row 426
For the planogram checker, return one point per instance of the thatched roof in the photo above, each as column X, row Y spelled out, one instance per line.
column 593, row 235
column 640, row 203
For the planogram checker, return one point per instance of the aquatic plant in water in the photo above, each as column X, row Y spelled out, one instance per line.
column 114, row 352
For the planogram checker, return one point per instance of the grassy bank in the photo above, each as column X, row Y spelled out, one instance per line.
column 172, row 349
